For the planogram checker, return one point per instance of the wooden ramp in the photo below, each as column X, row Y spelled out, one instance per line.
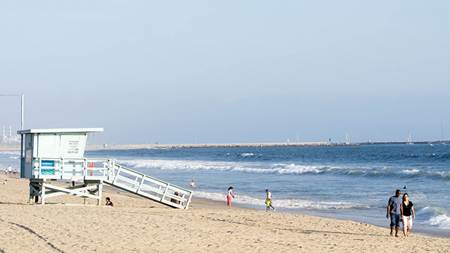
column 148, row 187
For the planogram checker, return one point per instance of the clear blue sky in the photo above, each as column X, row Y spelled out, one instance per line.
column 229, row 71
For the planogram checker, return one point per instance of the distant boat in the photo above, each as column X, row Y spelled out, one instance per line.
column 410, row 140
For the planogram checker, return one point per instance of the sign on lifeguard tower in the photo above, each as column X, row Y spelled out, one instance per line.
column 58, row 155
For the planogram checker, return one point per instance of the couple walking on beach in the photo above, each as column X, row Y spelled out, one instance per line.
column 268, row 201
column 399, row 207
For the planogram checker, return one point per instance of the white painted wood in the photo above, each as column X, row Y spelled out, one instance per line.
column 110, row 172
column 43, row 193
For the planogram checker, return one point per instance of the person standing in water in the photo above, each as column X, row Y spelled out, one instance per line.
column 192, row 184
column 408, row 214
column 393, row 212
column 269, row 200
column 230, row 195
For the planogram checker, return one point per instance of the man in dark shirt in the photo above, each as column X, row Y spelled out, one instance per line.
column 393, row 212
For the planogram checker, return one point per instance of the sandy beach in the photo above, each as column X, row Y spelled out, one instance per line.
column 139, row 225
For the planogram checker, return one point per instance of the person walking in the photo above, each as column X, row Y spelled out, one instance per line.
column 230, row 195
column 408, row 214
column 269, row 201
column 393, row 212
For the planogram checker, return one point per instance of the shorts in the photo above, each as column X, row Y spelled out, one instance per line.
column 395, row 220
column 229, row 199
column 268, row 202
column 407, row 221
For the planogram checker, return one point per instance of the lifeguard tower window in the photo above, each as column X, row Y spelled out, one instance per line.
column 58, row 154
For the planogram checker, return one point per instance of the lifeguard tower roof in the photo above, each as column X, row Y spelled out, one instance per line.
column 60, row 130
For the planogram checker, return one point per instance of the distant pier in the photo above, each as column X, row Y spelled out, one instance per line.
column 254, row 145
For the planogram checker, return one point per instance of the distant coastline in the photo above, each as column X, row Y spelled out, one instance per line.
column 231, row 145
column 274, row 144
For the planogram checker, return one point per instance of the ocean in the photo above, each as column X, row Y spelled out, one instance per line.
column 345, row 182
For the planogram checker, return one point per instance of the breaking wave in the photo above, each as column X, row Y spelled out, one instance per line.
column 436, row 217
column 286, row 168
column 9, row 153
column 442, row 221
column 247, row 155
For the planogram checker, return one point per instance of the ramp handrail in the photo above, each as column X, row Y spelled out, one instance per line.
column 150, row 187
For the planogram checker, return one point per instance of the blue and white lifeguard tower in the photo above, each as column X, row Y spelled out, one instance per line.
column 49, row 155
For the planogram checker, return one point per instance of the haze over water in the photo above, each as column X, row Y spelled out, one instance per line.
column 234, row 71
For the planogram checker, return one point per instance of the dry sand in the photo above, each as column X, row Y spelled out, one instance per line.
column 139, row 225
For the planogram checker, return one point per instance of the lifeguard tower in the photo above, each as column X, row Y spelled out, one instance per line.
column 52, row 155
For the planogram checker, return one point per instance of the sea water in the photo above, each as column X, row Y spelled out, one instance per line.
column 347, row 182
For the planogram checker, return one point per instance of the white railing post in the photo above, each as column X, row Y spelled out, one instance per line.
column 117, row 175
column 113, row 169
column 39, row 169
column 60, row 168
column 141, row 183
column 189, row 200
column 62, row 165
column 84, row 167
column 105, row 164
column 165, row 192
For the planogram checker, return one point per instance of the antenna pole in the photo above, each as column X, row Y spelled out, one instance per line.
column 22, row 112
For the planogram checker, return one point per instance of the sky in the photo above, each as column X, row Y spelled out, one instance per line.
column 229, row 71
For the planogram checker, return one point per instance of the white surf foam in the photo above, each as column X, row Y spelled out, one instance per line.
column 411, row 171
column 247, row 155
column 226, row 166
column 441, row 221
column 15, row 153
column 8, row 168
column 282, row 203
column 433, row 216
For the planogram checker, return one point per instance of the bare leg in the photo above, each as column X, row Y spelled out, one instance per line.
column 409, row 227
